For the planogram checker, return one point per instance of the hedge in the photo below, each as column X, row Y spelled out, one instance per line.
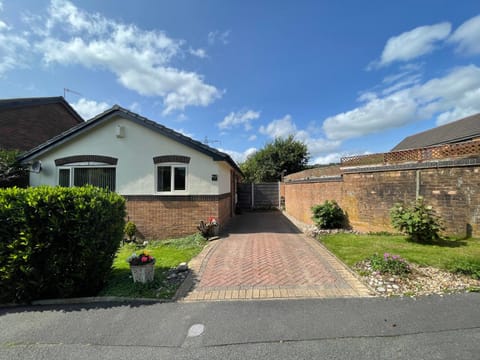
column 57, row 242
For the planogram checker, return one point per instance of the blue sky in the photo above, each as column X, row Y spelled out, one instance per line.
column 345, row 77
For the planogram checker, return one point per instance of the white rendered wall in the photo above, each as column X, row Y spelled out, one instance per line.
column 135, row 174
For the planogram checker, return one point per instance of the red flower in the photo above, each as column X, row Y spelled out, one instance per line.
column 144, row 259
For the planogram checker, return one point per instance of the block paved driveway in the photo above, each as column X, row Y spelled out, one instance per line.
column 262, row 255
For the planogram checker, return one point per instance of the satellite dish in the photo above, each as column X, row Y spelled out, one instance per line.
column 37, row 166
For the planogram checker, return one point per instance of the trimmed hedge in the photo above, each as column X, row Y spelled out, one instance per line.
column 57, row 242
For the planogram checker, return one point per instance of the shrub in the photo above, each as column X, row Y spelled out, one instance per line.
column 11, row 171
column 57, row 242
column 130, row 229
column 419, row 221
column 469, row 267
column 391, row 264
column 328, row 215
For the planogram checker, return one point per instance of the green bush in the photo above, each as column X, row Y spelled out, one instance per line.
column 57, row 242
column 391, row 264
column 130, row 230
column 419, row 221
column 11, row 171
column 328, row 215
column 469, row 267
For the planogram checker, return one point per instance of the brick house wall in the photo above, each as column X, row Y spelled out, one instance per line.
column 367, row 195
column 162, row 217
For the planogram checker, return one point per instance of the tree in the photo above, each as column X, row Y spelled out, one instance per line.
column 281, row 155
column 11, row 171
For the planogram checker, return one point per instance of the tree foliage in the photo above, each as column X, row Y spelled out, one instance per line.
column 281, row 155
column 10, row 169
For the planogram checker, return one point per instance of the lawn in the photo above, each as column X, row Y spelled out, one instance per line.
column 168, row 254
column 452, row 255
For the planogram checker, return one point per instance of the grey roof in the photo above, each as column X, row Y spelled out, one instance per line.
column 461, row 130
column 117, row 110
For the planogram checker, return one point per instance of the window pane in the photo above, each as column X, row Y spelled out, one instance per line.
column 64, row 177
column 80, row 176
column 180, row 177
column 164, row 178
column 101, row 177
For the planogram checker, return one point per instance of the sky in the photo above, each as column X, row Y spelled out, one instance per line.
column 344, row 77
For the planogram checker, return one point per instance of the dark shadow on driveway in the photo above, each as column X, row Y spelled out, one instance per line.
column 255, row 222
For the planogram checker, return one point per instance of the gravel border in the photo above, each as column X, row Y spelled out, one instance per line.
column 423, row 280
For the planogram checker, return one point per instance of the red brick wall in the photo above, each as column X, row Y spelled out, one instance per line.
column 368, row 197
column 300, row 197
column 454, row 192
column 160, row 217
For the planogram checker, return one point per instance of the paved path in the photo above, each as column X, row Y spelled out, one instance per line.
column 264, row 256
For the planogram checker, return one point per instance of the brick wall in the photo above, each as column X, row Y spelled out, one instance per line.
column 367, row 196
column 162, row 217
column 301, row 196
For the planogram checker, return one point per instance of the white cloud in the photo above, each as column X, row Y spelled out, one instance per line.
column 285, row 126
column 239, row 157
column 455, row 94
column 456, row 114
column 218, row 37
column 376, row 115
column 403, row 83
column 414, row 43
column 327, row 159
column 140, row 59
column 467, row 36
column 89, row 108
column 244, row 118
column 135, row 107
column 185, row 133
column 279, row 128
column 252, row 138
column 201, row 53
column 12, row 49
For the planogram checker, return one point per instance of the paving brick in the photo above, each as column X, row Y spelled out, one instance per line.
column 265, row 256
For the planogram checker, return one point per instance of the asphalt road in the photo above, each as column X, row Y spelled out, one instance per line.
column 426, row 328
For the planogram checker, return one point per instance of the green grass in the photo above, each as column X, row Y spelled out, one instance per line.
column 168, row 254
column 452, row 255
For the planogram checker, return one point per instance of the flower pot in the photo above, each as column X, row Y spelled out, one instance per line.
column 143, row 273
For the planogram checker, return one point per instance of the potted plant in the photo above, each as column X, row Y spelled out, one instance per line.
column 210, row 228
column 130, row 230
column 142, row 266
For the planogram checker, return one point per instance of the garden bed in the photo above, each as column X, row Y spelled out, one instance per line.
column 168, row 254
column 450, row 265
column 423, row 280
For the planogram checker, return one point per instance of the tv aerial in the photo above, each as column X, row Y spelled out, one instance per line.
column 67, row 90
column 207, row 141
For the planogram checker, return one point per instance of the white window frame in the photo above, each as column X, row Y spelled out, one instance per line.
column 172, row 178
column 90, row 165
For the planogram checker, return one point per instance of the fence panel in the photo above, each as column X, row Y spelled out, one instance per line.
column 262, row 195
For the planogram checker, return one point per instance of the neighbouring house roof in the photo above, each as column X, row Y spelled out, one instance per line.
column 28, row 122
column 115, row 111
column 458, row 131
